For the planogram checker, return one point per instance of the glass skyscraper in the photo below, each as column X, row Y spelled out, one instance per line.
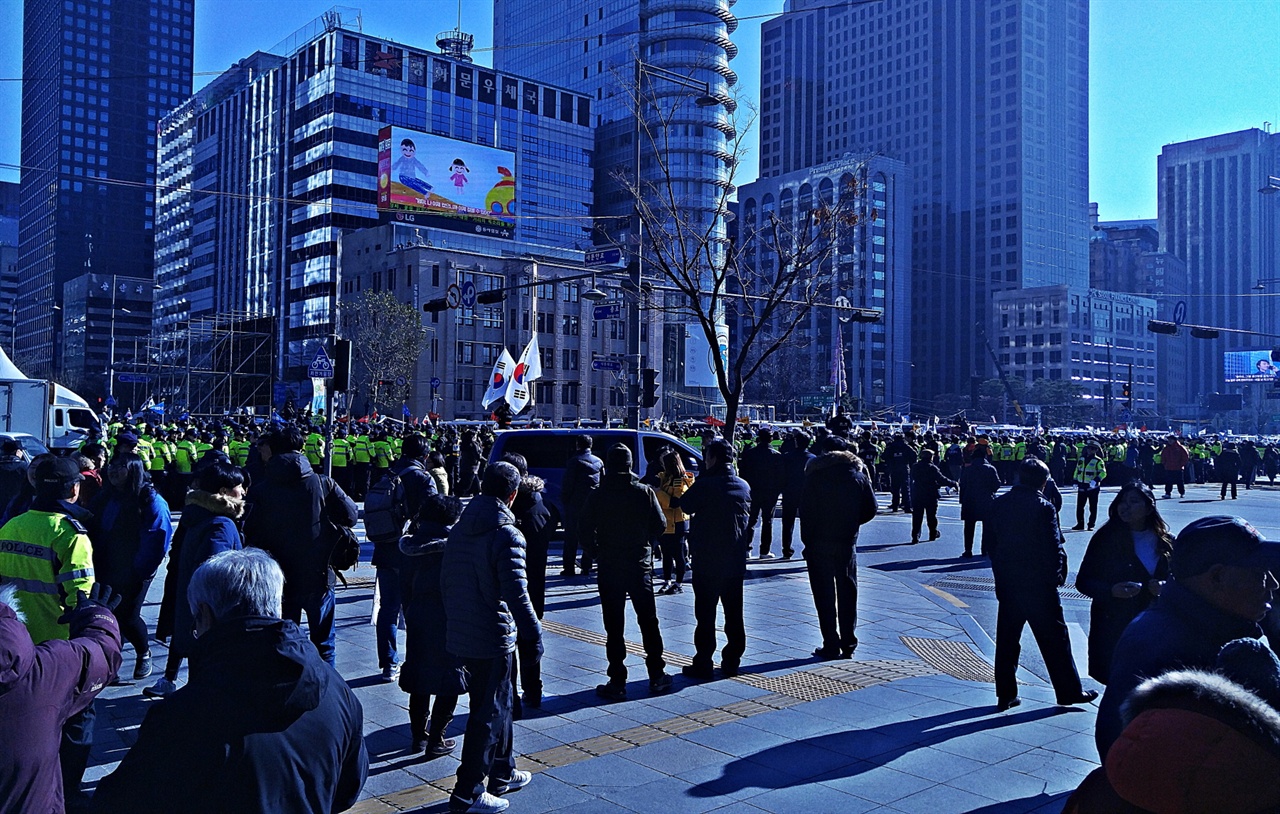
column 274, row 160
column 986, row 101
column 97, row 76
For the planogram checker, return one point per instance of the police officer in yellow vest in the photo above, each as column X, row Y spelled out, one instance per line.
column 340, row 451
column 47, row 554
column 361, row 455
column 1090, row 473
column 314, row 449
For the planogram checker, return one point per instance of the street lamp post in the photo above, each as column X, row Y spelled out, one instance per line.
column 635, row 358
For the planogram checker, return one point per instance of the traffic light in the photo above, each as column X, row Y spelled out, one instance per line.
column 491, row 297
column 1157, row 326
column 435, row 306
column 648, row 387
column 342, row 365
column 1127, row 393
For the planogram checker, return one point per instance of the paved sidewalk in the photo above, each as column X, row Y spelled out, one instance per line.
column 908, row 725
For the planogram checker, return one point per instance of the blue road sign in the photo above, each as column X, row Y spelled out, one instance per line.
column 134, row 378
column 606, row 364
column 468, row 294
column 1126, row 416
column 435, row 382
column 610, row 311
column 1180, row 312
column 603, row 257
column 321, row 366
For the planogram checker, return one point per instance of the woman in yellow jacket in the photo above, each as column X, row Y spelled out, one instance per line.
column 672, row 484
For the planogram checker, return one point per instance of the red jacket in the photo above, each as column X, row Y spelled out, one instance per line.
column 1174, row 456
column 41, row 686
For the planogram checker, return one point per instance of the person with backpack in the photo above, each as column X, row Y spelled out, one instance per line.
column 290, row 512
column 393, row 501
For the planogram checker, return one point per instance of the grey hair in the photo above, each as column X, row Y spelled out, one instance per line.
column 9, row 596
column 238, row 583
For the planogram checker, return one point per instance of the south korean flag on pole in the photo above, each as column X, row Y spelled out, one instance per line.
column 528, row 369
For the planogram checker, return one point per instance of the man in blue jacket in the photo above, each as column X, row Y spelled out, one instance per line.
column 1223, row 580
column 719, row 539
column 486, row 591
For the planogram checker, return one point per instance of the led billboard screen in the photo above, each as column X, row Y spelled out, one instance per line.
column 446, row 183
column 1249, row 366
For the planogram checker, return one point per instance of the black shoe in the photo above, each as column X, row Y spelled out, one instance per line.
column 697, row 673
column 786, row 555
column 1008, row 703
column 439, row 747
column 1078, row 528
column 1085, row 697
column 728, row 670
column 915, row 541
column 827, row 653
column 660, row 684
column 532, row 700
column 1090, row 527
column 612, row 691
column 966, row 553
column 846, row 652
column 934, row 535
column 569, row 572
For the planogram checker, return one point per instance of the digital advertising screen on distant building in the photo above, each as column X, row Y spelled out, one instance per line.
column 1249, row 366
column 450, row 184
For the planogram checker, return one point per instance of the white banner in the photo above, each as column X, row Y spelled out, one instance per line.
column 699, row 364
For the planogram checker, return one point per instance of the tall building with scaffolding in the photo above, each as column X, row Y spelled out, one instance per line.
column 263, row 171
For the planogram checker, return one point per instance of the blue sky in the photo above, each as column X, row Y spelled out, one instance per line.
column 1161, row 70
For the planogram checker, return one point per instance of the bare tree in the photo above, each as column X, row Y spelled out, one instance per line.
column 705, row 276
column 386, row 338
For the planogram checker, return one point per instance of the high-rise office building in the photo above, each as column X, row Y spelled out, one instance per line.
column 870, row 264
column 1125, row 256
column 986, row 101
column 96, row 78
column 668, row 59
column 8, row 263
column 265, row 168
column 1216, row 217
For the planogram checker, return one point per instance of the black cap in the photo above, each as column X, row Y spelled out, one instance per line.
column 618, row 458
column 722, row 449
column 56, row 472
column 126, row 439
column 1222, row 540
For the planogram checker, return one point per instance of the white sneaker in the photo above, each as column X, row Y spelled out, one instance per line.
column 485, row 803
column 161, row 689
column 518, row 781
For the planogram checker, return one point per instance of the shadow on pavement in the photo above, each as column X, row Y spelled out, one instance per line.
column 952, row 563
column 1041, row 802
column 850, row 753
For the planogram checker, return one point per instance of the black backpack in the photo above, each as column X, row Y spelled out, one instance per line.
column 384, row 510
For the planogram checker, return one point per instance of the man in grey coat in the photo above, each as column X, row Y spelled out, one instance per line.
column 485, row 588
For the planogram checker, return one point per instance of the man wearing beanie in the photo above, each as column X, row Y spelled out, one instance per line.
column 1223, row 578
column 617, row 525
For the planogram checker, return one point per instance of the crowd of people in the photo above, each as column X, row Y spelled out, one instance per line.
column 257, row 549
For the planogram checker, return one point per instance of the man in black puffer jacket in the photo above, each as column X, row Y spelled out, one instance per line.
column 795, row 459
column 285, row 516
column 719, row 539
column 837, row 501
column 417, row 483
column 618, row 524
column 485, row 589
column 761, row 468
column 262, row 726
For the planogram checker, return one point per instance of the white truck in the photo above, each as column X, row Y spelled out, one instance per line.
column 48, row 411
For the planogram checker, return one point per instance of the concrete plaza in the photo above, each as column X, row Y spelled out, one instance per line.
column 908, row 725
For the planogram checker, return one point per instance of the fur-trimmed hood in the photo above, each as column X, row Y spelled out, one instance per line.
column 216, row 503
column 837, row 458
column 1196, row 741
column 529, row 484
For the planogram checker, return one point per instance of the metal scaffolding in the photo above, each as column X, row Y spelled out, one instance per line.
column 214, row 365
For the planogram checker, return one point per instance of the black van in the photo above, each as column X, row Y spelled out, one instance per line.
column 549, row 450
